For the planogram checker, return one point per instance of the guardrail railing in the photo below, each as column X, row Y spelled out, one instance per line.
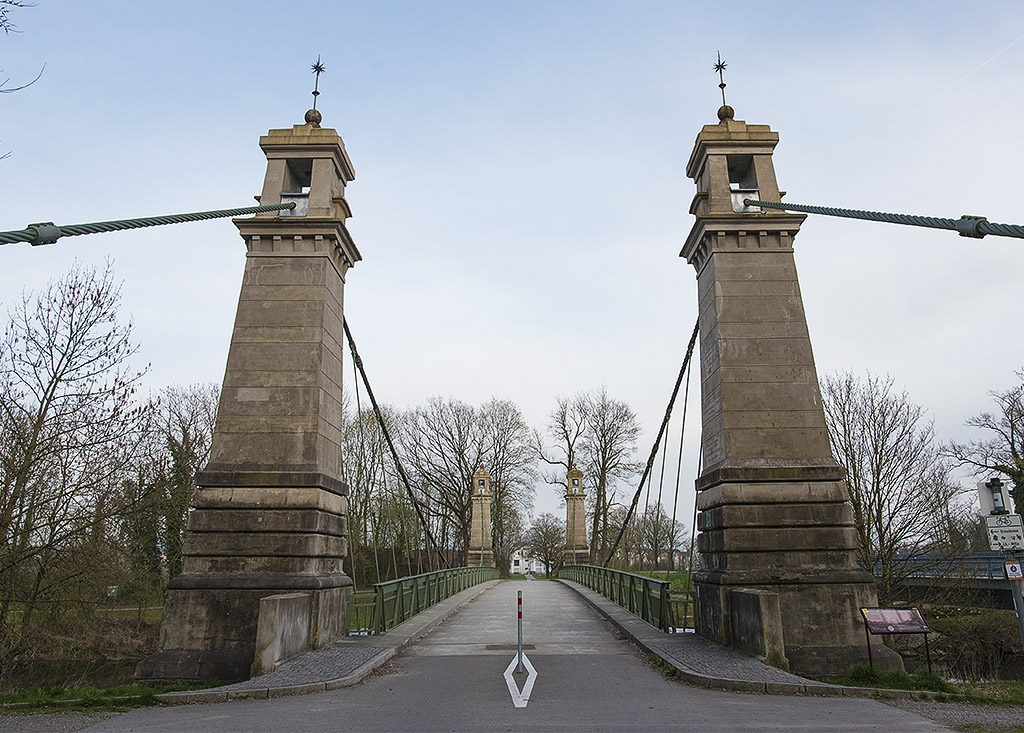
column 394, row 601
column 644, row 597
column 977, row 565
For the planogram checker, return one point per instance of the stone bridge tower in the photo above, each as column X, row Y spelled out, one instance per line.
column 270, row 512
column 576, row 550
column 480, row 552
column 776, row 527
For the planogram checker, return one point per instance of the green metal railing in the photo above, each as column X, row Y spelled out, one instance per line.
column 395, row 601
column 642, row 596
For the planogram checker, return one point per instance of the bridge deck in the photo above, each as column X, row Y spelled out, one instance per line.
column 588, row 679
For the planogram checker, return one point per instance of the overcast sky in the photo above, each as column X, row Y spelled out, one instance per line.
column 520, row 196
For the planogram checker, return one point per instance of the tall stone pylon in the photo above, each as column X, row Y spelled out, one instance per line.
column 775, row 516
column 480, row 552
column 576, row 550
column 269, row 515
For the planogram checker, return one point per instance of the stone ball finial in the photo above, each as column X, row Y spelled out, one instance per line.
column 725, row 112
column 313, row 117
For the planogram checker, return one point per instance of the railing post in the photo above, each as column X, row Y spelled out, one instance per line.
column 665, row 609
column 378, row 609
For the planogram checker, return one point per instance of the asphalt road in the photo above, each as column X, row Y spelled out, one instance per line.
column 587, row 680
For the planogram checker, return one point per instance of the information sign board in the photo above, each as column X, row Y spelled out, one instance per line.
column 1013, row 571
column 1005, row 532
column 894, row 621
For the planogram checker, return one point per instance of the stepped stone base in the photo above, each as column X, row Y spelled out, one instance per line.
column 245, row 543
column 579, row 556
column 477, row 558
column 795, row 539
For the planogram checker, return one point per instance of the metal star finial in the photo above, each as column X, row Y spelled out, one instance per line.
column 720, row 68
column 318, row 69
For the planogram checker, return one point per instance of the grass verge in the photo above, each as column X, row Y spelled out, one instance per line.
column 1010, row 692
column 53, row 698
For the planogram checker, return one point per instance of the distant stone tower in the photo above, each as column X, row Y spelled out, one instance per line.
column 576, row 550
column 270, row 514
column 480, row 552
column 774, row 510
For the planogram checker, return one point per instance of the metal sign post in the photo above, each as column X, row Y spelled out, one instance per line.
column 1006, row 534
column 521, row 664
column 1013, row 578
column 895, row 621
column 519, row 603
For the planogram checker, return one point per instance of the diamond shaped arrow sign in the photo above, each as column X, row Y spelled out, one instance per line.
column 520, row 697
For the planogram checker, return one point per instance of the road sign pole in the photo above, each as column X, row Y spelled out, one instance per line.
column 1018, row 601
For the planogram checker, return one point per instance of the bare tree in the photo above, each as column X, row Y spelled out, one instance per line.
column 659, row 538
column 608, row 447
column 900, row 488
column 566, row 426
column 6, row 6
column 546, row 540
column 71, row 432
column 509, row 458
column 443, row 444
column 7, row 26
column 597, row 434
column 1003, row 451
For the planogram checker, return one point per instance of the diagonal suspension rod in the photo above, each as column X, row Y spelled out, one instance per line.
column 47, row 233
column 387, row 437
column 967, row 225
column 657, row 441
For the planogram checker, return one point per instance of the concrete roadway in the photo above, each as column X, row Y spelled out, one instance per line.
column 587, row 680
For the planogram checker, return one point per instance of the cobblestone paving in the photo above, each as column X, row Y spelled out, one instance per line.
column 320, row 665
column 964, row 716
column 704, row 657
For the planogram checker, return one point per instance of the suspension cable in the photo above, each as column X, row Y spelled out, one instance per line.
column 46, row 233
column 391, row 445
column 657, row 441
column 368, row 515
column 693, row 533
column 679, row 467
column 656, row 519
column 967, row 225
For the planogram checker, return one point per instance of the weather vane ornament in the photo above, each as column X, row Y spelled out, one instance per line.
column 725, row 111
column 313, row 116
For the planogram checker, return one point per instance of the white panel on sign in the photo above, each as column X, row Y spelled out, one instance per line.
column 1005, row 532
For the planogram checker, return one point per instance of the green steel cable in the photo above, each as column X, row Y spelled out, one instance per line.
column 47, row 233
column 657, row 441
column 387, row 437
column 967, row 225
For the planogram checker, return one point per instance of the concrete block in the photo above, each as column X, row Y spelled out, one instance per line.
column 754, row 351
column 282, row 630
column 777, row 539
column 283, row 314
column 778, row 515
column 776, row 445
column 277, row 544
column 755, row 622
column 228, row 565
column 266, row 520
column 277, row 497
column 771, row 419
column 766, row 492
